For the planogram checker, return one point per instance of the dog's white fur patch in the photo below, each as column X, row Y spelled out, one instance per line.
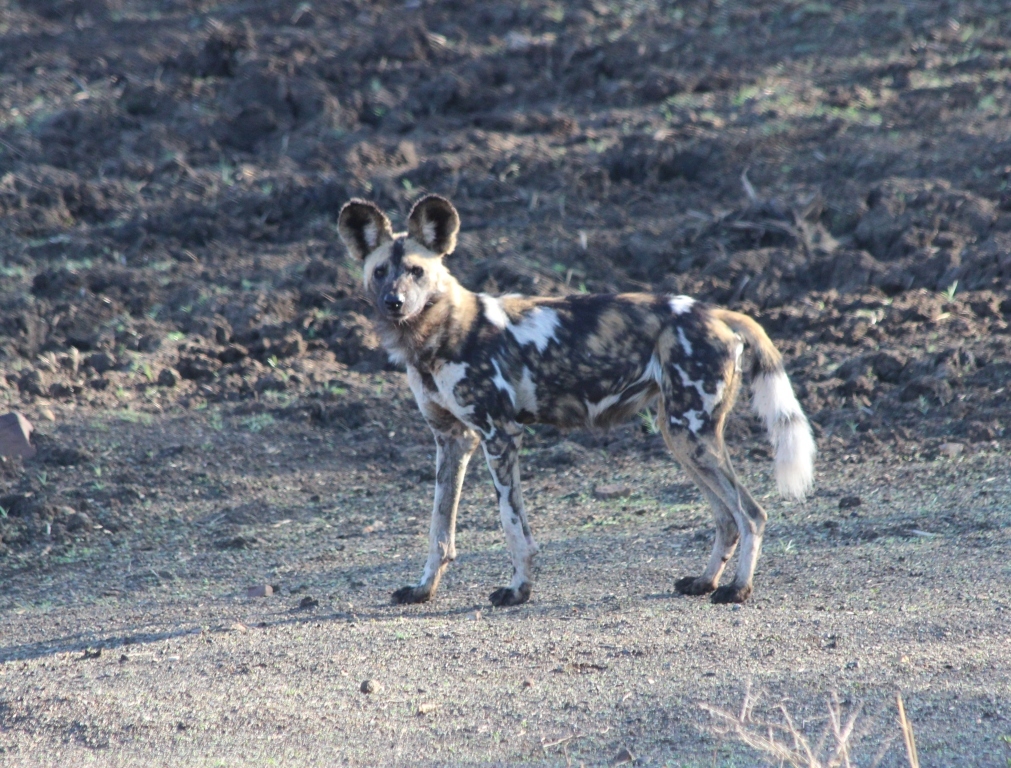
column 428, row 231
column 681, row 304
column 493, row 310
column 526, row 393
column 695, row 422
column 789, row 432
column 446, row 378
column 537, row 327
column 709, row 401
column 653, row 370
column 593, row 410
column 499, row 381
column 685, row 344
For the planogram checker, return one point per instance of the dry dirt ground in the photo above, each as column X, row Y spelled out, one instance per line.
column 214, row 413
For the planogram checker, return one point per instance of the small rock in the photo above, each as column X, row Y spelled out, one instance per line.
column 233, row 353
column 236, row 542
column 198, row 368
column 427, row 708
column 981, row 433
column 65, row 456
column 168, row 378
column 260, row 590
column 47, row 413
column 849, row 502
column 623, row 757
column 528, row 683
column 238, row 627
column 369, row 686
column 476, row 616
column 271, row 382
column 15, row 431
column 951, row 450
column 58, row 390
column 123, row 658
column 565, row 454
column 100, row 362
column 76, row 521
column 308, row 603
column 34, row 383
column 612, row 491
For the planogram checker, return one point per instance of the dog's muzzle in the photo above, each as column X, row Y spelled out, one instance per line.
column 394, row 302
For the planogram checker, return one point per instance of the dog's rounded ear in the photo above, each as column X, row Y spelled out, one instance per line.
column 434, row 222
column 363, row 228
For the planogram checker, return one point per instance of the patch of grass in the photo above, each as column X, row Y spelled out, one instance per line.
column 135, row 417
column 649, row 422
column 257, row 422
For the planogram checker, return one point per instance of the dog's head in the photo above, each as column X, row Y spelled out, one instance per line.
column 403, row 273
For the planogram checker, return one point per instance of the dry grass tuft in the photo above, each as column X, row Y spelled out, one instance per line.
column 785, row 743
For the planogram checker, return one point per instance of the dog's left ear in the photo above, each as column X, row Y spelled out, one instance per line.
column 363, row 228
column 434, row 222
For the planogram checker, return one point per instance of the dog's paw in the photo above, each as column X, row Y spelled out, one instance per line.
column 731, row 594
column 693, row 585
column 509, row 596
column 409, row 594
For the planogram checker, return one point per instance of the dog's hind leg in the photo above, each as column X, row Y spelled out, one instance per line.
column 723, row 545
column 751, row 519
column 453, row 452
column 502, row 453
column 738, row 516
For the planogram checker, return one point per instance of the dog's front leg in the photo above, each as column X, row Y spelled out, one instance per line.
column 453, row 452
column 502, row 451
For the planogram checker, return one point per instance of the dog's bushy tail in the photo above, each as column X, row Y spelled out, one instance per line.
column 773, row 400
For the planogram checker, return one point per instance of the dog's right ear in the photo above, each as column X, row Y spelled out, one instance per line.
column 363, row 228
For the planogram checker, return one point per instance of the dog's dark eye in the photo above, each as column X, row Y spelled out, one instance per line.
column 417, row 271
column 379, row 272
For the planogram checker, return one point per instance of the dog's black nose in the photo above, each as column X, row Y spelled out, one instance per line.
column 394, row 302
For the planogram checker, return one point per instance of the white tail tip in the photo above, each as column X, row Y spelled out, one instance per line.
column 789, row 433
column 795, row 452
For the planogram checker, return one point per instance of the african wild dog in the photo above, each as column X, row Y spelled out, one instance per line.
column 482, row 366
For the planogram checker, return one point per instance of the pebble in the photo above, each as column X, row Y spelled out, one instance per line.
column 369, row 686
column 623, row 757
column 952, row 450
column 260, row 590
column 848, row 502
column 427, row 708
column 611, row 491
column 47, row 413
column 15, row 431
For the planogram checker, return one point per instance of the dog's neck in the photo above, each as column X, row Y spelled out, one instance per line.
column 436, row 332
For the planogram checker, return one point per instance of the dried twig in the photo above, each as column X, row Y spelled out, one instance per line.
column 749, row 190
column 907, row 734
column 785, row 743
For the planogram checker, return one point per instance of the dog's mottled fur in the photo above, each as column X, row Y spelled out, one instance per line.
column 481, row 366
